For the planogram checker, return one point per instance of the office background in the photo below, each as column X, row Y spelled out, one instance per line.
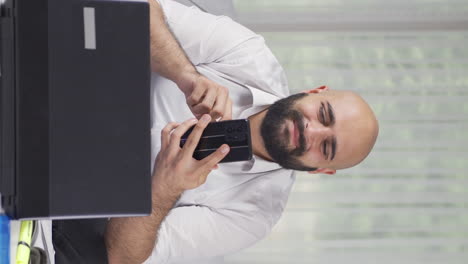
column 408, row 202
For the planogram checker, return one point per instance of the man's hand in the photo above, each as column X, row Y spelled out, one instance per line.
column 169, row 60
column 132, row 239
column 204, row 96
column 175, row 168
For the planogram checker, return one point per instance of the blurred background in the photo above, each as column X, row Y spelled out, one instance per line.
column 408, row 202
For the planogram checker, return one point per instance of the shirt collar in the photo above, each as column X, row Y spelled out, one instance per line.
column 262, row 98
column 258, row 164
column 260, row 101
column 255, row 165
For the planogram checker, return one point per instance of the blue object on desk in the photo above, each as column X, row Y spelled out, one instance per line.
column 4, row 239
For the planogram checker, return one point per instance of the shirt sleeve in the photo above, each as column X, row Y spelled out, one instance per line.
column 204, row 37
column 199, row 232
column 231, row 220
column 221, row 44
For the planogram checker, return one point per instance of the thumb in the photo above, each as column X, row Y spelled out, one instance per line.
column 210, row 162
column 215, row 157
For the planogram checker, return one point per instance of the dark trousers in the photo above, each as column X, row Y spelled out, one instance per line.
column 79, row 241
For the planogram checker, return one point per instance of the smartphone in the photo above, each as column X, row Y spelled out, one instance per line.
column 234, row 133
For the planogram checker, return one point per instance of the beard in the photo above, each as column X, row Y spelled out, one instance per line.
column 276, row 136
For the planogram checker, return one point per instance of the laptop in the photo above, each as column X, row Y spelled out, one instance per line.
column 75, row 109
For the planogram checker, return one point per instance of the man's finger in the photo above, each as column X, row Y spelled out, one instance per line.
column 205, row 106
column 209, row 163
column 196, row 96
column 214, row 158
column 194, row 137
column 228, row 110
column 166, row 134
column 220, row 104
column 174, row 141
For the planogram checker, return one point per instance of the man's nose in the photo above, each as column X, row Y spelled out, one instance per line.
column 317, row 132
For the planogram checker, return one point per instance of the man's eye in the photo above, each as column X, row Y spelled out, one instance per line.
column 324, row 149
column 322, row 113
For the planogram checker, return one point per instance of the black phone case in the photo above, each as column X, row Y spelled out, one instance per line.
column 235, row 133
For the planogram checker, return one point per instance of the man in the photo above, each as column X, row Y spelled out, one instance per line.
column 225, row 70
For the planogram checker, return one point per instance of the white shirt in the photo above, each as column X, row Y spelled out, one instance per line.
column 241, row 201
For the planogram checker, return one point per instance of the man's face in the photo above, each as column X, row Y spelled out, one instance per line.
column 332, row 130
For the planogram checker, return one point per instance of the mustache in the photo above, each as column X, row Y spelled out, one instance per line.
column 298, row 118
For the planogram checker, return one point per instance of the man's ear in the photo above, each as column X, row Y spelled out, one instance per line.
column 323, row 171
column 317, row 90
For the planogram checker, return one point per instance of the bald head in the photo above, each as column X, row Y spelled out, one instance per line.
column 356, row 126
